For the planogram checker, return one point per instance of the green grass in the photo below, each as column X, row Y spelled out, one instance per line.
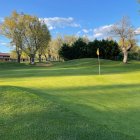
column 70, row 101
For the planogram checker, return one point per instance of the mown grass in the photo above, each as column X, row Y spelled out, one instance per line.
column 70, row 101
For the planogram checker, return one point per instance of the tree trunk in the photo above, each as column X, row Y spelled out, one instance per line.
column 49, row 57
column 32, row 59
column 125, row 55
column 40, row 58
column 46, row 58
column 18, row 54
column 58, row 58
column 18, row 59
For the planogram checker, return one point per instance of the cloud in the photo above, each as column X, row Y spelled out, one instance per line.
column 102, row 31
column 137, row 31
column 1, row 19
column 2, row 43
column 78, row 33
column 86, row 31
column 99, row 33
column 60, row 22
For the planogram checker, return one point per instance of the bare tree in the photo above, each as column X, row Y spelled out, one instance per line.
column 125, row 32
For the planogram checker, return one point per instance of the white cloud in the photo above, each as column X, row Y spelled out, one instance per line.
column 102, row 31
column 86, row 31
column 78, row 33
column 1, row 19
column 2, row 43
column 59, row 22
column 137, row 31
column 98, row 35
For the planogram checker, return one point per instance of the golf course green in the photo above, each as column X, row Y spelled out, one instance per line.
column 70, row 101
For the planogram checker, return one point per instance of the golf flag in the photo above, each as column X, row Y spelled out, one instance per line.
column 98, row 53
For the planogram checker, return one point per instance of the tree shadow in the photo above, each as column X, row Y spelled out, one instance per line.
column 116, row 106
column 57, row 71
column 38, row 114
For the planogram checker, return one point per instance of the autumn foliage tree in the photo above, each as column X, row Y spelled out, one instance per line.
column 27, row 33
column 44, row 44
column 12, row 29
column 35, row 36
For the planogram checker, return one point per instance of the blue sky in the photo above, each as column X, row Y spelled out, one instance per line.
column 73, row 17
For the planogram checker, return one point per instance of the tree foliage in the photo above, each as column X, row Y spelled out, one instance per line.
column 27, row 33
column 12, row 29
column 56, row 44
column 36, row 36
column 109, row 49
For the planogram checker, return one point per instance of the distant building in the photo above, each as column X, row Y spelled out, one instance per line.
column 4, row 56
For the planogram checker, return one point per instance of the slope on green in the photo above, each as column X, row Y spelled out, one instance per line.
column 70, row 101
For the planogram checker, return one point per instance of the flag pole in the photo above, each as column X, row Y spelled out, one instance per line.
column 99, row 65
column 98, row 53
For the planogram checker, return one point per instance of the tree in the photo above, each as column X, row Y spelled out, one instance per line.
column 109, row 49
column 125, row 32
column 54, row 46
column 13, row 55
column 66, row 52
column 69, row 39
column 79, row 48
column 12, row 28
column 32, row 36
column 46, row 37
column 27, row 33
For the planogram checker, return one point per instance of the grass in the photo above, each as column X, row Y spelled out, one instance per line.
column 70, row 101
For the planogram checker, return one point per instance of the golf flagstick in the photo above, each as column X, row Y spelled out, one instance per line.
column 98, row 53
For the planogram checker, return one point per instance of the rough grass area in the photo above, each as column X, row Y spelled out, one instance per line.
column 70, row 101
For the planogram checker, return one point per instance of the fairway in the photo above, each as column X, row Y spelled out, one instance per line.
column 70, row 101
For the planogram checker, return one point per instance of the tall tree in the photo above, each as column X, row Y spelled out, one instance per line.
column 69, row 39
column 44, row 44
column 12, row 28
column 35, row 37
column 31, row 36
column 27, row 33
column 54, row 46
column 125, row 32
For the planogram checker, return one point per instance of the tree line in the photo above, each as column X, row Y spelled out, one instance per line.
column 30, row 36
column 109, row 49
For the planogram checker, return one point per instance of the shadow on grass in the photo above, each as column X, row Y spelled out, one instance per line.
column 29, row 71
column 34, row 114
column 116, row 106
